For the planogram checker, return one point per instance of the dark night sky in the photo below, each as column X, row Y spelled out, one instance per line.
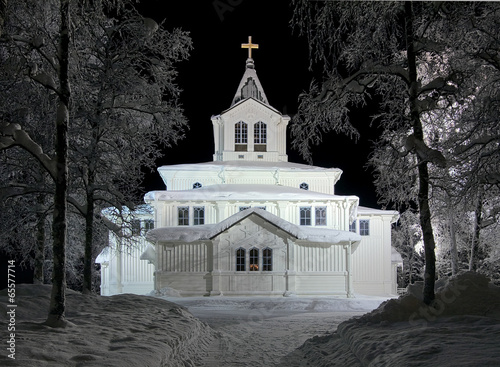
column 211, row 75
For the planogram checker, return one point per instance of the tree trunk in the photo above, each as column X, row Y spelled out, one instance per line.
column 89, row 234
column 56, row 316
column 40, row 242
column 423, row 171
column 474, row 252
column 3, row 14
column 453, row 240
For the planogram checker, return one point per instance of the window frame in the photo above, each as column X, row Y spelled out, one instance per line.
column 353, row 227
column 135, row 227
column 267, row 259
column 240, row 259
column 149, row 224
column 364, row 227
column 198, row 220
column 183, row 220
column 320, row 216
column 253, row 257
column 304, row 219
column 241, row 133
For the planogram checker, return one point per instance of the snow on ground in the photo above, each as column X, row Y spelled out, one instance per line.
column 123, row 330
column 260, row 331
column 462, row 329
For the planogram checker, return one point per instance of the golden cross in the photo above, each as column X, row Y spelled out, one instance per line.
column 249, row 45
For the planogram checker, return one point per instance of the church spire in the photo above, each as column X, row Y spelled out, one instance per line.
column 250, row 85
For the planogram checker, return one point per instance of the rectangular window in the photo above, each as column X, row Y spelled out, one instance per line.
column 135, row 225
column 320, row 216
column 199, row 215
column 149, row 224
column 267, row 259
column 244, row 208
column 183, row 215
column 240, row 259
column 352, row 227
column 260, row 207
column 364, row 227
column 305, row 216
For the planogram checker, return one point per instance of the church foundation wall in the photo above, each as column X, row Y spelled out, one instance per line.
column 188, row 284
column 321, row 283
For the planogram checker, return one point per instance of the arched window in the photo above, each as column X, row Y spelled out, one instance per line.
column 240, row 259
column 260, row 133
column 197, row 185
column 241, row 136
column 304, row 186
column 267, row 259
column 260, row 136
column 254, row 259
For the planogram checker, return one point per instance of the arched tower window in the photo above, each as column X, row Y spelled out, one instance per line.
column 304, row 186
column 254, row 259
column 260, row 136
column 240, row 136
column 240, row 259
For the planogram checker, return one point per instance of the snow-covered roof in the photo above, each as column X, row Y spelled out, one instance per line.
column 247, row 166
column 362, row 210
column 209, row 231
column 245, row 192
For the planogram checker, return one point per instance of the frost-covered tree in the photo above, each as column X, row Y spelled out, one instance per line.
column 125, row 107
column 406, row 237
column 123, row 102
column 407, row 54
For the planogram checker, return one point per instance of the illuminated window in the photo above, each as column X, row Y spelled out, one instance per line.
column 267, row 259
column 183, row 215
column 254, row 259
column 364, row 227
column 197, row 185
column 304, row 186
column 198, row 215
column 320, row 216
column 305, row 216
column 240, row 259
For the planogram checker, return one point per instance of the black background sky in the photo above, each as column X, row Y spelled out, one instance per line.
column 211, row 75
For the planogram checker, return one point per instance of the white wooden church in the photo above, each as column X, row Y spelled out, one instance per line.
column 252, row 223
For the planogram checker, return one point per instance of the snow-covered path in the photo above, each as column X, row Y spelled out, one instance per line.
column 262, row 332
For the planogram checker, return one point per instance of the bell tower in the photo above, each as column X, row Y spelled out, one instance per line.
column 251, row 129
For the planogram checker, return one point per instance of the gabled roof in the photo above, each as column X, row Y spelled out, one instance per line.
column 210, row 231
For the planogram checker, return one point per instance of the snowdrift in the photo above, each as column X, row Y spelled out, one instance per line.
column 123, row 330
column 461, row 328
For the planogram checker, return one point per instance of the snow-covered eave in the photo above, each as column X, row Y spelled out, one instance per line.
column 264, row 104
column 210, row 231
column 216, row 166
column 250, row 193
column 364, row 211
